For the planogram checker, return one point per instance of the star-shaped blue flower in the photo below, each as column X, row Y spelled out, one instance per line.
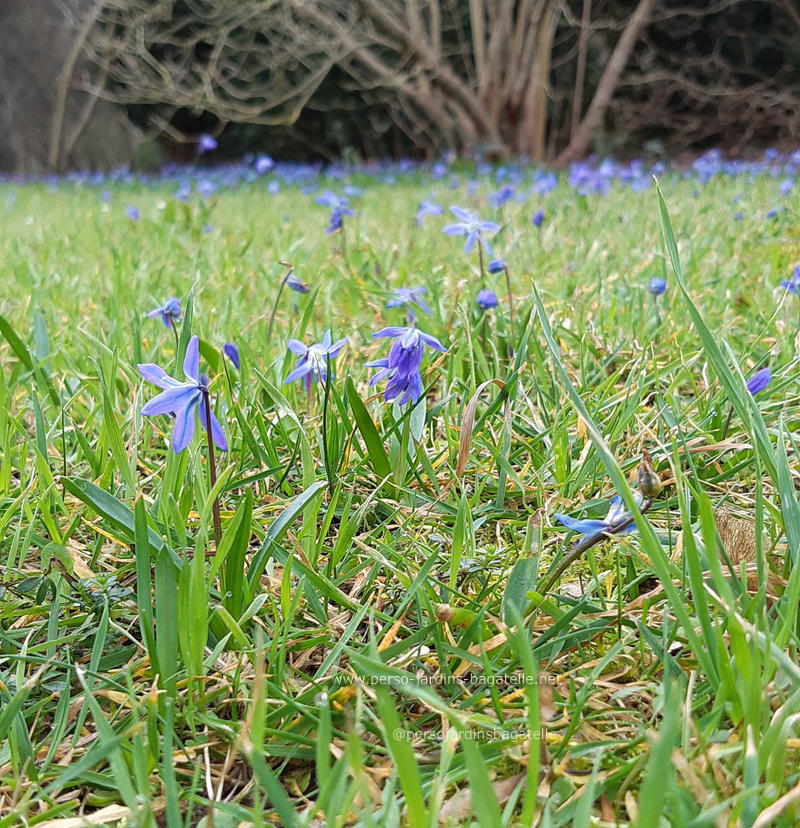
column 472, row 227
column 402, row 365
column 313, row 362
column 182, row 399
column 170, row 312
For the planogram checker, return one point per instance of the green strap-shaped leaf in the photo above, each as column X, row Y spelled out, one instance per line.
column 372, row 440
column 278, row 529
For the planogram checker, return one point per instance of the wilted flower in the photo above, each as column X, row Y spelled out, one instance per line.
column 617, row 513
column 487, row 300
column 472, row 227
column 406, row 297
column 133, row 213
column 296, row 284
column 759, row 381
column 207, row 143
column 657, row 286
column 497, row 266
column 537, row 218
column 427, row 208
column 182, row 399
column 170, row 312
column 402, row 366
column 313, row 362
column 232, row 352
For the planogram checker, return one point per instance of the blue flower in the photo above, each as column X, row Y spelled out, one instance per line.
column 232, row 352
column 504, row 194
column 657, row 286
column 427, row 208
column 616, row 514
column 487, row 300
column 406, row 297
column 402, row 365
column 537, row 218
column 340, row 207
column 133, row 213
column 313, row 362
column 330, row 199
column 793, row 284
column 264, row 164
column 759, row 381
column 170, row 312
column 182, row 399
column 497, row 266
column 472, row 227
column 296, row 284
column 207, row 144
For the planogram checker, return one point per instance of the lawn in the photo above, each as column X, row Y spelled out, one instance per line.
column 384, row 614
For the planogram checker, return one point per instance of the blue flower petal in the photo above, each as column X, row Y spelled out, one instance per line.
column 585, row 527
column 183, row 432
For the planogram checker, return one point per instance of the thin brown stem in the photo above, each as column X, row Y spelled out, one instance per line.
column 727, row 426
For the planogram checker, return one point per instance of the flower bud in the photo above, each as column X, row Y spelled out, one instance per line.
column 649, row 481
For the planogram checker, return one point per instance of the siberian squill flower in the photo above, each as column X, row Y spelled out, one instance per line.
column 402, row 366
column 427, row 208
column 264, row 164
column 232, row 352
column 759, row 381
column 497, row 266
column 406, row 297
column 504, row 194
column 617, row 513
column 170, row 312
column 657, row 286
column 472, row 227
column 537, row 218
column 340, row 207
column 182, row 399
column 487, row 300
column 296, row 284
column 313, row 362
column 133, row 213
column 207, row 143
column 793, row 284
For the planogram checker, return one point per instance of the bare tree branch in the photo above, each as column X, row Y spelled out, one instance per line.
column 580, row 142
